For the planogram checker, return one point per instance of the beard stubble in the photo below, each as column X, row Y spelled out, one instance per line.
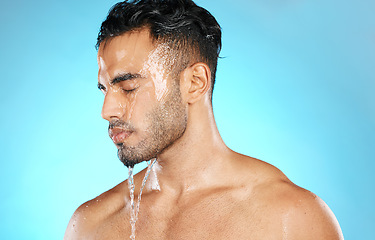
column 167, row 123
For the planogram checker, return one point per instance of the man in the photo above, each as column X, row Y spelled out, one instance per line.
column 157, row 62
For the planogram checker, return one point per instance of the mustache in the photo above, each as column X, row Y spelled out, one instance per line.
column 120, row 124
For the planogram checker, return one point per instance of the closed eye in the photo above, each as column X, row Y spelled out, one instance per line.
column 129, row 90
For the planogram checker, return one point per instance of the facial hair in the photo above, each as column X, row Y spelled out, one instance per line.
column 167, row 123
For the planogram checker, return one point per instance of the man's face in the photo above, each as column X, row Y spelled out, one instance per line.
column 142, row 103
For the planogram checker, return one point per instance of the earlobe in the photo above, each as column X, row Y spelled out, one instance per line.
column 199, row 79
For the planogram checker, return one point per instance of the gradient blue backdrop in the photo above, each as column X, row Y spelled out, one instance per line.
column 294, row 88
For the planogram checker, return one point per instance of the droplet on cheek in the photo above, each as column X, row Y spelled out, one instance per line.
column 131, row 103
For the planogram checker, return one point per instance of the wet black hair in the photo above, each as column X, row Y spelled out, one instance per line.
column 190, row 31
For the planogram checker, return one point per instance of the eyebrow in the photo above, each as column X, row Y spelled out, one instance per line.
column 124, row 77
column 120, row 78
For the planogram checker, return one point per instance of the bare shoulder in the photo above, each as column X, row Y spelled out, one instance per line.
column 91, row 214
column 303, row 214
column 300, row 213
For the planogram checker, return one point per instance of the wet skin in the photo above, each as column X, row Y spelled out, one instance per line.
column 199, row 188
column 141, row 101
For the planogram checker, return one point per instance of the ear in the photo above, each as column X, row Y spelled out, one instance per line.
column 197, row 80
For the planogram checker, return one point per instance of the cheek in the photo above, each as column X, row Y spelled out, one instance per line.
column 140, row 104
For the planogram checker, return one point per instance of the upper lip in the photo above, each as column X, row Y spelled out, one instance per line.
column 113, row 132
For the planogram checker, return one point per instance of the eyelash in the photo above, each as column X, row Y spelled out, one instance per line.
column 101, row 88
column 129, row 91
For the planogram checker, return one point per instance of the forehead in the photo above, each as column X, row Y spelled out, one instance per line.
column 126, row 52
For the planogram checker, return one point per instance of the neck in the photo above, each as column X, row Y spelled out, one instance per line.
column 195, row 160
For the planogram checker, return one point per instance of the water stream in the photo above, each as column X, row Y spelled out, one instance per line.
column 135, row 207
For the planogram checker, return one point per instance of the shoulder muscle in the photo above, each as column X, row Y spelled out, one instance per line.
column 308, row 217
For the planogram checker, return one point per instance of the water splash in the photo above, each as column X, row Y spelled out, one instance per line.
column 135, row 207
column 131, row 187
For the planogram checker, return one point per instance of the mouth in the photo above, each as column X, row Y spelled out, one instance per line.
column 119, row 135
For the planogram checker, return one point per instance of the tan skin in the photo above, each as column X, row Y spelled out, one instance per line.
column 199, row 189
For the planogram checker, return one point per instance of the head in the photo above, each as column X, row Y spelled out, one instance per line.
column 191, row 32
column 143, row 48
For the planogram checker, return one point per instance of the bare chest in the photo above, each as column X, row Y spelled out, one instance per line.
column 207, row 218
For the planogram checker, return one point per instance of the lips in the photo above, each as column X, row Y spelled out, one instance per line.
column 118, row 135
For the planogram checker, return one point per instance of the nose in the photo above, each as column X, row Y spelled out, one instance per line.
column 112, row 107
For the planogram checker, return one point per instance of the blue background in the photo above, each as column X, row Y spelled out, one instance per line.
column 294, row 88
